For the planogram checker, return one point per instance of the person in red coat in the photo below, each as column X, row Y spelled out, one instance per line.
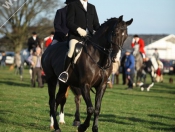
column 137, row 40
column 48, row 40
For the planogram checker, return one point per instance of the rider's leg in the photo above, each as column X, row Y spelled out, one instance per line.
column 72, row 44
column 64, row 75
column 144, row 56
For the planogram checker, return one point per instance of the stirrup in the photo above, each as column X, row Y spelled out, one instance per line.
column 63, row 76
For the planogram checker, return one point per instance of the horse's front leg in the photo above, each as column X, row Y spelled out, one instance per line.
column 90, row 110
column 98, row 99
column 61, row 100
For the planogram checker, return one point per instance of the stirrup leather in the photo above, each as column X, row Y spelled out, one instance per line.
column 63, row 76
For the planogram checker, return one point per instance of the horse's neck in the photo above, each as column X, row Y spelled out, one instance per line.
column 139, row 61
column 100, row 39
column 95, row 49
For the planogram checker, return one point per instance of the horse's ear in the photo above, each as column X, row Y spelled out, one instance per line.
column 129, row 22
column 120, row 18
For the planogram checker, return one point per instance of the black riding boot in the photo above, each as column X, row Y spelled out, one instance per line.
column 64, row 75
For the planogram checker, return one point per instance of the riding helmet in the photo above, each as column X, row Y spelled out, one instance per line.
column 69, row 1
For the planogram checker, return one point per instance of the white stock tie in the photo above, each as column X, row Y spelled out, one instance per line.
column 85, row 6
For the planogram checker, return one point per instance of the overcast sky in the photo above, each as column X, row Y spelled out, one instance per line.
column 150, row 16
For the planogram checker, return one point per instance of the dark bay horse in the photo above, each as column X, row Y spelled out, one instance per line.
column 92, row 69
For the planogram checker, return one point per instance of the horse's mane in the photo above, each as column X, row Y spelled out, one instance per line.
column 106, row 24
column 108, row 21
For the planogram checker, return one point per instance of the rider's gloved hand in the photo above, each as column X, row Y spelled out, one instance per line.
column 81, row 32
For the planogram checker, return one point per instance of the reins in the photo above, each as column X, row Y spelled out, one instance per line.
column 105, row 51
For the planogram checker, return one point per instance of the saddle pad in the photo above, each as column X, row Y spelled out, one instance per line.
column 76, row 58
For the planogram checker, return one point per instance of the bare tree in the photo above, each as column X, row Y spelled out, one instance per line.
column 16, row 16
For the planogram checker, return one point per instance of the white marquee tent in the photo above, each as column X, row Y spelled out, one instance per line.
column 165, row 47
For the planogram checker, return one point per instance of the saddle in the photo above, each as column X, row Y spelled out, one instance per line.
column 77, row 52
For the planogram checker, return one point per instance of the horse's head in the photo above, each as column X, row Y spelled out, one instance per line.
column 118, row 34
column 111, row 36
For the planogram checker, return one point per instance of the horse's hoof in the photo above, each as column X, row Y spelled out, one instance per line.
column 58, row 130
column 61, row 123
column 51, row 127
column 81, row 128
column 76, row 123
column 95, row 129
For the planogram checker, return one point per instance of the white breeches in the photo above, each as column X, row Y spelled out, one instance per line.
column 143, row 54
column 72, row 44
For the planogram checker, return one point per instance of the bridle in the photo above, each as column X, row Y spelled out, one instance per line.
column 113, row 35
column 107, row 51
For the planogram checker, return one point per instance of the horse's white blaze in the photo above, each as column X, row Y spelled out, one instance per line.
column 51, row 121
column 123, row 34
column 61, row 118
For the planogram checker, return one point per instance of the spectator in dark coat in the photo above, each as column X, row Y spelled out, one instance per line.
column 61, row 30
column 3, row 59
column 33, row 42
column 129, row 68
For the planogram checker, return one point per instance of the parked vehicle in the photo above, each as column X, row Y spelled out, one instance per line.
column 172, row 67
column 10, row 57
column 168, row 66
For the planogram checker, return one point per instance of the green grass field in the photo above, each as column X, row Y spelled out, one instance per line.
column 25, row 109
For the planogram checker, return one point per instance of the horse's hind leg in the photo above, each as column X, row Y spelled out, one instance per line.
column 51, row 90
column 61, row 100
column 98, row 99
column 77, row 92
